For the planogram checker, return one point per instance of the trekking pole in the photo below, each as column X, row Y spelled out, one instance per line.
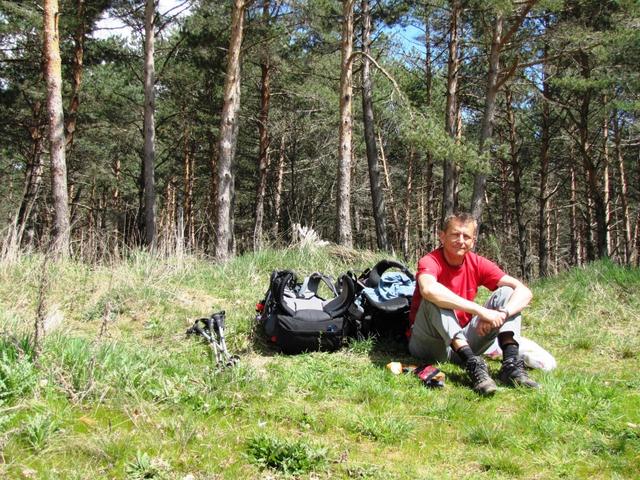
column 214, row 343
column 218, row 329
column 212, row 330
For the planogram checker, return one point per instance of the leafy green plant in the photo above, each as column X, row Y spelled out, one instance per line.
column 143, row 466
column 39, row 430
column 17, row 372
column 293, row 457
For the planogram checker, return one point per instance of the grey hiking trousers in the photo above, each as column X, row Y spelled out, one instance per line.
column 435, row 328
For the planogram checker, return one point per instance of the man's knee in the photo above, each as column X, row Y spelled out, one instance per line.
column 502, row 295
column 505, row 290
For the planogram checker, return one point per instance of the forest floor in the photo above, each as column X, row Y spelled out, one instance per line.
column 120, row 392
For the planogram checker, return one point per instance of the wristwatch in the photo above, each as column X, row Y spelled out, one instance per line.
column 505, row 311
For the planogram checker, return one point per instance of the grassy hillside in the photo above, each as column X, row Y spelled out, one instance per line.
column 119, row 392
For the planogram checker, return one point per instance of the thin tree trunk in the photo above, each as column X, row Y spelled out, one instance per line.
column 589, row 245
column 377, row 196
column 389, row 186
column 493, row 85
column 624, row 189
column 453, row 67
column 187, row 182
column 343, row 202
column 427, row 194
column 574, row 236
column 637, row 237
column 33, row 174
column 606, row 190
column 556, row 240
column 263, row 133
column 149, row 125
column 213, row 189
column 486, row 126
column 77, row 71
column 596, row 194
column 516, row 166
column 407, row 206
column 53, row 76
column 277, row 195
column 229, row 136
column 543, row 198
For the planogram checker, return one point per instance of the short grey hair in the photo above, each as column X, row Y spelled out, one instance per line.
column 462, row 217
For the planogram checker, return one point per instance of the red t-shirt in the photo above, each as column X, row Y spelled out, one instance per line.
column 462, row 280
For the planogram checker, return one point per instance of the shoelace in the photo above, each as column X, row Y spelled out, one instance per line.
column 477, row 370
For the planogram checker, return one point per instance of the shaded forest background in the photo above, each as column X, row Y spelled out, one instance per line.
column 222, row 127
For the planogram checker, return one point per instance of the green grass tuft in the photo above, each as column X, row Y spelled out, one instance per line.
column 293, row 457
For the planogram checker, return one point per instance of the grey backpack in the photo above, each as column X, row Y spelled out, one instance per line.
column 297, row 319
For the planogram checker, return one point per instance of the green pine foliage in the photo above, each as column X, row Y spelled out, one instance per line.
column 120, row 392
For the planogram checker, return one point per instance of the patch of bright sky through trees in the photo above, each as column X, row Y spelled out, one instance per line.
column 408, row 36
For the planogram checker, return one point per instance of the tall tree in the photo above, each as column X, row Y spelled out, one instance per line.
column 53, row 77
column 543, row 196
column 494, row 81
column 453, row 73
column 263, row 128
column 343, row 201
column 229, row 135
column 77, row 70
column 377, row 196
column 149, row 124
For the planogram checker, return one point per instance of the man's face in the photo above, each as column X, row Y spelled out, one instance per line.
column 458, row 239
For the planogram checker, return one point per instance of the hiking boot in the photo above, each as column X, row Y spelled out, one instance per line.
column 513, row 373
column 479, row 375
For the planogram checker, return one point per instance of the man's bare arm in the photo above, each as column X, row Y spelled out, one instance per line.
column 521, row 294
column 438, row 294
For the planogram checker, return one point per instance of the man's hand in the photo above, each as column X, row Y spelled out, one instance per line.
column 490, row 320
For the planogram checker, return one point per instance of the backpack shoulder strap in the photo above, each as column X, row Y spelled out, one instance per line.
column 381, row 267
column 312, row 283
column 279, row 282
column 343, row 301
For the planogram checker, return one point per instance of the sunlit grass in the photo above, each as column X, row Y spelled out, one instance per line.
column 120, row 392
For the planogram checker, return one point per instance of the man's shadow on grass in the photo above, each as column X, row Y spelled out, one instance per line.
column 386, row 349
column 381, row 350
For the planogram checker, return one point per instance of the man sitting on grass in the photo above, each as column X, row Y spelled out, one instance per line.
column 447, row 324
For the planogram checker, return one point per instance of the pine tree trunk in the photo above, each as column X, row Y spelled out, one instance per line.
column 263, row 133
column 516, row 167
column 187, row 182
column 377, row 196
column 277, row 195
column 453, row 67
column 574, row 236
column 606, row 190
column 149, row 125
column 624, row 190
column 543, row 197
column 427, row 194
column 389, row 187
column 637, row 237
column 596, row 194
column 229, row 136
column 493, row 85
column 53, row 77
column 407, row 207
column 77, row 71
column 343, row 201
column 486, row 126
column 589, row 245
column 33, row 174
